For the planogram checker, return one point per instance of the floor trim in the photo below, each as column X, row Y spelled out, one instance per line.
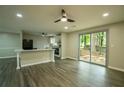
column 118, row 69
column 63, row 57
column 72, row 58
column 47, row 61
column 69, row 58
column 8, row 57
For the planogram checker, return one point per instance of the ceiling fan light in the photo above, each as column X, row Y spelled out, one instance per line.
column 63, row 19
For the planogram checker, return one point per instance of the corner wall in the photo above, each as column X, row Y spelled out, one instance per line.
column 64, row 45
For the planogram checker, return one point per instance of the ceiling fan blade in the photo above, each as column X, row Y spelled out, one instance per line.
column 63, row 13
column 70, row 20
column 57, row 20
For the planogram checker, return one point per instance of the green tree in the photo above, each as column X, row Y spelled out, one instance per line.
column 85, row 40
column 100, row 39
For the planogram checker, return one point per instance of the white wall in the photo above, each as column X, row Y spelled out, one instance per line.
column 116, row 43
column 64, row 45
column 8, row 43
column 116, row 49
column 38, row 41
column 72, row 43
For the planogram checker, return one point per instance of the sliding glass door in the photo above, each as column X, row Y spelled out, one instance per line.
column 93, row 48
column 85, row 47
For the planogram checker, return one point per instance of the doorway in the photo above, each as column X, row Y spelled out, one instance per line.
column 93, row 47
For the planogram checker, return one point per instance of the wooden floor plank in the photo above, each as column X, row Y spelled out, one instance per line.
column 62, row 73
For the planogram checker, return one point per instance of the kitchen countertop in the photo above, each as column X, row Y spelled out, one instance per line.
column 33, row 50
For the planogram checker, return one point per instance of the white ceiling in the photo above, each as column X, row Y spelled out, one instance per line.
column 41, row 18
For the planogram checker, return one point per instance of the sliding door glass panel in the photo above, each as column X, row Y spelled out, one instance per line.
column 98, row 48
column 85, row 47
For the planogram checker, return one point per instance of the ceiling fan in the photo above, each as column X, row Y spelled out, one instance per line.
column 43, row 34
column 47, row 35
column 64, row 17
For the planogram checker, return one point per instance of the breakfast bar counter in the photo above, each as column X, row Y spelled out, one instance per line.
column 33, row 57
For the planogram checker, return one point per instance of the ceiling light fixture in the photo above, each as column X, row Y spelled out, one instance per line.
column 19, row 15
column 65, row 27
column 105, row 14
column 63, row 19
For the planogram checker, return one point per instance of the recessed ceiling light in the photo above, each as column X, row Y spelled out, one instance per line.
column 65, row 27
column 105, row 14
column 19, row 15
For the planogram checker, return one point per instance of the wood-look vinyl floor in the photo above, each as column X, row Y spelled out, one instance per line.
column 62, row 73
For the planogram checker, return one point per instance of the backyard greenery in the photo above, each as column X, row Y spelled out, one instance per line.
column 99, row 40
column 85, row 40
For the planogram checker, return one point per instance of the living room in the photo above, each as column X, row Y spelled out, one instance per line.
column 61, row 46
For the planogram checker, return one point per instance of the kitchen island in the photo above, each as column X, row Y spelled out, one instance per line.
column 33, row 57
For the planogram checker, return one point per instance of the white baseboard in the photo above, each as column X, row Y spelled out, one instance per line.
column 69, row 58
column 72, row 58
column 8, row 57
column 47, row 61
column 63, row 58
column 119, row 69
